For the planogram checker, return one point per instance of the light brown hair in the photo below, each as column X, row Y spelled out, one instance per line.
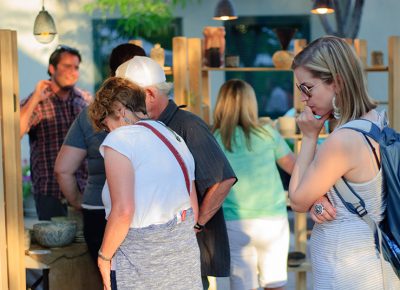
column 332, row 59
column 236, row 106
column 115, row 89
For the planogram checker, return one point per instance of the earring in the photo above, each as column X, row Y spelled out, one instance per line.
column 336, row 110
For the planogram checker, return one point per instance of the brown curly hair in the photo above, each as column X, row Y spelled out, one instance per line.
column 115, row 89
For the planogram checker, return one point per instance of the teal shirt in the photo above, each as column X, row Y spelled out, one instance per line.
column 259, row 191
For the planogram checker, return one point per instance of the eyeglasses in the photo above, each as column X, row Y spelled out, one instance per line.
column 307, row 90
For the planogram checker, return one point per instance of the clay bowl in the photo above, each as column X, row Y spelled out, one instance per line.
column 54, row 234
column 295, row 259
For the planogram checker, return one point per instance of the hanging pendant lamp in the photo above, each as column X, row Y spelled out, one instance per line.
column 224, row 11
column 322, row 7
column 44, row 28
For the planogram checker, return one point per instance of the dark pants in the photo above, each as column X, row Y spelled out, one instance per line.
column 48, row 206
column 94, row 224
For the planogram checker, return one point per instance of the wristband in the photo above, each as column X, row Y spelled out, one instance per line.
column 104, row 258
column 198, row 226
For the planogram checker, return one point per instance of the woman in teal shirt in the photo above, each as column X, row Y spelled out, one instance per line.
column 255, row 209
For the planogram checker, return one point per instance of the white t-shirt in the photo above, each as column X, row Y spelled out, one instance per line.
column 159, row 186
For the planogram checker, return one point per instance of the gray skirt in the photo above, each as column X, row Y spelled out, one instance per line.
column 164, row 256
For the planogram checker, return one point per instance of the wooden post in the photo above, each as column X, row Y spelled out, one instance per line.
column 195, row 83
column 299, row 44
column 300, row 219
column 394, row 85
column 11, row 213
column 180, row 70
column 360, row 46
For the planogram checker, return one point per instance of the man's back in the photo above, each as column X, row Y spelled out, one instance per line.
column 211, row 167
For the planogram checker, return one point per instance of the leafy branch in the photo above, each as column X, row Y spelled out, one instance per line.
column 150, row 17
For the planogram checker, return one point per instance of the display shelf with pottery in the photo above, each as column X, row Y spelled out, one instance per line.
column 54, row 234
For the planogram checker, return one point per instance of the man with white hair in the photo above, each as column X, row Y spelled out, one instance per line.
column 213, row 174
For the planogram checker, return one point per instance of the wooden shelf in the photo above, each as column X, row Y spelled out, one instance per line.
column 377, row 68
column 304, row 267
column 245, row 69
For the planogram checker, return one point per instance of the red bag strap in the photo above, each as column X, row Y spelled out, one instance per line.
column 172, row 149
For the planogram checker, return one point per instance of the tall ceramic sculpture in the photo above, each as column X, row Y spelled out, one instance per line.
column 214, row 46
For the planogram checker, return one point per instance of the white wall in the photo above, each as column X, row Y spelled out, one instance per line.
column 380, row 20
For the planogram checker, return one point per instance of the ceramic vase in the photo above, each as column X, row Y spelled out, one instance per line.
column 283, row 59
column 214, row 46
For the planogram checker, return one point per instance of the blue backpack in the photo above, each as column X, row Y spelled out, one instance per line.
column 387, row 233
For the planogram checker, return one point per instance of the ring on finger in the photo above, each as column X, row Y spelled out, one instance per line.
column 319, row 209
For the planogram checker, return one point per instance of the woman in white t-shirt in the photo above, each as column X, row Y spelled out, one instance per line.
column 150, row 201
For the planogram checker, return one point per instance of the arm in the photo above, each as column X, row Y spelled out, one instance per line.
column 67, row 163
column 313, row 177
column 120, row 175
column 194, row 202
column 287, row 163
column 315, row 172
column 42, row 92
column 213, row 199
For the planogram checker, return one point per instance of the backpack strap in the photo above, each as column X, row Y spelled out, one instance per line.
column 353, row 202
column 364, row 126
column 367, row 128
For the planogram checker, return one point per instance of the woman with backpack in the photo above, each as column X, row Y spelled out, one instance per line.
column 332, row 84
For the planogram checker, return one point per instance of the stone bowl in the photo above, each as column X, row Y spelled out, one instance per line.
column 54, row 234
column 295, row 259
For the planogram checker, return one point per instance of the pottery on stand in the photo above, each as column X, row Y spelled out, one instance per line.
column 214, row 46
column 157, row 54
column 283, row 59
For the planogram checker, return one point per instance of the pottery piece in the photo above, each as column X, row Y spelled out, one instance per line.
column 157, row 54
column 283, row 59
column 214, row 46
column 295, row 259
column 54, row 234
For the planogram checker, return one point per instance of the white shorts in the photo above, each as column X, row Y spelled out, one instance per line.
column 259, row 250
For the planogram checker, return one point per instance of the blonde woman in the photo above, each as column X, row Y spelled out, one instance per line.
column 255, row 209
column 150, row 202
column 332, row 84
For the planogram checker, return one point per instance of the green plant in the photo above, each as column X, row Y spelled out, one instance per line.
column 26, row 179
column 149, row 17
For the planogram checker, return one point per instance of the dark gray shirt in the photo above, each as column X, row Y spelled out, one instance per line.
column 82, row 135
column 211, row 167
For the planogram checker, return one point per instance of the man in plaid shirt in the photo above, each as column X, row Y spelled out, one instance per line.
column 46, row 116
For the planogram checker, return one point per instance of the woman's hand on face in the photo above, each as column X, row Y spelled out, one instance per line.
column 309, row 125
column 105, row 270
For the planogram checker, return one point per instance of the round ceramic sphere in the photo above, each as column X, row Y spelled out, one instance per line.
column 283, row 59
column 54, row 234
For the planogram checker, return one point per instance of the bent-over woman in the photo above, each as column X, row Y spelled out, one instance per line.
column 151, row 204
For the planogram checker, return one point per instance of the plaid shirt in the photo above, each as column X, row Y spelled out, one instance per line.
column 48, row 126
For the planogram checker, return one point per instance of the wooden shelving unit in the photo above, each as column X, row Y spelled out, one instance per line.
column 191, row 80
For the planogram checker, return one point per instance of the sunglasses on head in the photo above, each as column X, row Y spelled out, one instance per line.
column 62, row 48
column 307, row 90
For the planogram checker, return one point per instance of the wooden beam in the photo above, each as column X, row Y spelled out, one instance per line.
column 360, row 46
column 12, row 185
column 180, row 70
column 195, row 86
column 394, row 85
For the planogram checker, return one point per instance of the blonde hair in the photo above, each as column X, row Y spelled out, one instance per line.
column 115, row 89
column 236, row 106
column 332, row 59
